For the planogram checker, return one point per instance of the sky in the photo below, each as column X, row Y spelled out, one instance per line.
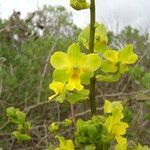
column 114, row 13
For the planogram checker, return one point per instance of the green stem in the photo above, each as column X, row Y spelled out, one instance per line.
column 91, row 48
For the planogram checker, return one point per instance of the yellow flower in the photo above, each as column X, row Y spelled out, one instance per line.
column 116, row 128
column 79, row 4
column 115, row 60
column 74, row 67
column 65, row 144
column 115, row 108
column 121, row 146
column 113, row 123
column 57, row 87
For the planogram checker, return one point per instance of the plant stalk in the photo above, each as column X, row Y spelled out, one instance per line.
column 92, row 98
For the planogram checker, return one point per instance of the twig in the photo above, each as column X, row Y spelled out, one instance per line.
column 4, row 125
column 42, row 140
column 123, row 94
column 58, row 112
column 44, row 71
column 73, row 114
column 27, row 110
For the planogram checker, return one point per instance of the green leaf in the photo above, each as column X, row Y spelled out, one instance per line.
column 146, row 81
column 15, row 115
column 20, row 127
column 68, row 122
column 21, row 116
column 27, row 126
column 90, row 147
column 60, row 76
column 77, row 96
column 59, row 60
column 54, row 127
column 88, row 132
column 92, row 131
column 11, row 113
column 126, row 55
column 21, row 137
column 108, row 78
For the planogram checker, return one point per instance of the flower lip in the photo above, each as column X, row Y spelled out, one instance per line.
column 75, row 67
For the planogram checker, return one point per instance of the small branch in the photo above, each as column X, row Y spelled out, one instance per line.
column 123, row 94
column 73, row 114
column 35, row 106
column 4, row 125
column 58, row 112
column 87, row 112
column 44, row 72
column 42, row 139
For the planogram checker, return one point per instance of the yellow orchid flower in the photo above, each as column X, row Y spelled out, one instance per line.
column 100, row 39
column 113, row 123
column 116, row 62
column 117, row 129
column 115, row 108
column 58, row 88
column 121, row 57
column 74, row 67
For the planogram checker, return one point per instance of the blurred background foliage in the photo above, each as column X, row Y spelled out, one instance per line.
column 25, row 73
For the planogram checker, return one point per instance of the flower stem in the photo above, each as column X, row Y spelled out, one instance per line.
column 91, row 47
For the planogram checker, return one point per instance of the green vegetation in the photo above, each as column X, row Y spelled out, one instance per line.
column 43, row 104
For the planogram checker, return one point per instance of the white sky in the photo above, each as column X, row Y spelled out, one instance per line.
column 114, row 13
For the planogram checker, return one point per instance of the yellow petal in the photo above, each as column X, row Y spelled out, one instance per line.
column 51, row 97
column 121, row 140
column 57, row 87
column 120, row 128
column 121, row 147
column 70, row 86
column 111, row 55
column 59, row 60
column 65, row 144
column 78, row 85
column 107, row 107
column 74, row 84
column 109, row 123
